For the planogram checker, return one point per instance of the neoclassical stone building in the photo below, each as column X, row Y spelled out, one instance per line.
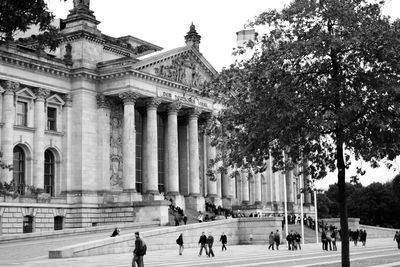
column 110, row 127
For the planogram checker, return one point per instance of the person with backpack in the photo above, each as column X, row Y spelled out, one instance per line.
column 139, row 251
column 179, row 241
column 210, row 242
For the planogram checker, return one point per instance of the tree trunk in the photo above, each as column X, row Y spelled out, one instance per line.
column 344, row 225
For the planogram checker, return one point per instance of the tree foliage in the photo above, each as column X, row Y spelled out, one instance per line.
column 323, row 80
column 20, row 15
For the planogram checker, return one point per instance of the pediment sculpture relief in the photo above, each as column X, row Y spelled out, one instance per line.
column 183, row 70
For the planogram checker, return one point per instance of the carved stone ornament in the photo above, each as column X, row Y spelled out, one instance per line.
column 129, row 98
column 68, row 55
column 68, row 100
column 10, row 87
column 41, row 94
column 116, row 157
column 152, row 103
column 174, row 106
column 102, row 101
column 194, row 113
column 85, row 3
column 182, row 69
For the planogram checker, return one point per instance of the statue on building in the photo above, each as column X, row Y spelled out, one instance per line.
column 80, row 3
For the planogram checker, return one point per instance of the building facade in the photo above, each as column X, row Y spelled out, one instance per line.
column 105, row 129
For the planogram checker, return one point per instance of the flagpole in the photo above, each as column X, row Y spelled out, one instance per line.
column 316, row 215
column 285, row 196
column 301, row 206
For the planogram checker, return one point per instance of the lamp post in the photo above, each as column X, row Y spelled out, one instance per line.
column 316, row 215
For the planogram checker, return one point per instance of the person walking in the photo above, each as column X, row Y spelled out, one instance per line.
column 271, row 241
column 179, row 241
column 203, row 242
column 363, row 237
column 210, row 242
column 139, row 251
column 277, row 239
column 223, row 239
column 324, row 240
column 397, row 238
column 297, row 238
column 333, row 238
column 185, row 219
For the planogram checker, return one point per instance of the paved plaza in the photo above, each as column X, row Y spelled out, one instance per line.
column 378, row 252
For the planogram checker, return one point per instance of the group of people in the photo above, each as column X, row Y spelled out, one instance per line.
column 274, row 239
column 358, row 235
column 293, row 239
column 328, row 239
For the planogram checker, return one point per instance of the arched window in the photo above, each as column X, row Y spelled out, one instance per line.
column 19, row 169
column 49, row 172
column 27, row 224
column 139, row 151
column 160, row 149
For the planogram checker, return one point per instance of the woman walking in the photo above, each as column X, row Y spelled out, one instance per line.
column 179, row 241
column 271, row 240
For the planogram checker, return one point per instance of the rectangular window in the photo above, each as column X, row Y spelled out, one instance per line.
column 51, row 119
column 22, row 113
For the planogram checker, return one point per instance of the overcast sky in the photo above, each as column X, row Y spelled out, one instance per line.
column 166, row 22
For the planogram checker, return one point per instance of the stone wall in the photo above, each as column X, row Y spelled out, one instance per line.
column 237, row 230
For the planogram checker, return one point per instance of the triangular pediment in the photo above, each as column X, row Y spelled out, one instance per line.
column 26, row 93
column 55, row 99
column 184, row 65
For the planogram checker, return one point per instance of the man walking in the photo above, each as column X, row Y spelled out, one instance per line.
column 139, row 251
column 203, row 242
column 397, row 238
column 271, row 240
column 223, row 240
column 277, row 239
column 210, row 241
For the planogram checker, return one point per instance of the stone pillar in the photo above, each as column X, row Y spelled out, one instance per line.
column 38, row 140
column 7, row 140
column 194, row 179
column 245, row 187
column 103, row 124
column 211, row 184
column 129, row 141
column 290, row 189
column 67, row 166
column 258, row 188
column 307, row 193
column 150, row 182
column 172, row 148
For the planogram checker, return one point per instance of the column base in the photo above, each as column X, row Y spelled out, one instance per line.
column 151, row 195
column 172, row 193
column 129, row 195
column 226, row 203
column 245, row 202
column 195, row 203
column 258, row 203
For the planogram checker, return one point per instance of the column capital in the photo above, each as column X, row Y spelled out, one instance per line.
column 152, row 103
column 102, row 101
column 129, row 98
column 41, row 94
column 174, row 106
column 194, row 113
column 10, row 87
column 68, row 100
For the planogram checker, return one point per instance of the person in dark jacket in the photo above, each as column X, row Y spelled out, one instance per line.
column 179, row 241
column 116, row 232
column 203, row 242
column 138, row 252
column 185, row 219
column 210, row 242
column 271, row 240
column 277, row 239
column 223, row 240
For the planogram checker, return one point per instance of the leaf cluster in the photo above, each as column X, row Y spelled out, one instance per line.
column 325, row 72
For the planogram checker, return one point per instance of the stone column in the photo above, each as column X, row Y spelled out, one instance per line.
column 245, row 187
column 211, row 184
column 103, row 124
column 151, row 149
column 7, row 140
column 172, row 148
column 194, row 179
column 290, row 189
column 307, row 193
column 258, row 188
column 38, row 140
column 67, row 166
column 129, row 141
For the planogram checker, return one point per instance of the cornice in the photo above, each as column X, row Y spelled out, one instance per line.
column 33, row 64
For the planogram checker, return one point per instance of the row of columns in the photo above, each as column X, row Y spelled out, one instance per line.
column 150, row 168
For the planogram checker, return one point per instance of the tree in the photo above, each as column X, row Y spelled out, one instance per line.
column 20, row 15
column 321, row 83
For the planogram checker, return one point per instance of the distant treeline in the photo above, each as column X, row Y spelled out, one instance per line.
column 376, row 204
